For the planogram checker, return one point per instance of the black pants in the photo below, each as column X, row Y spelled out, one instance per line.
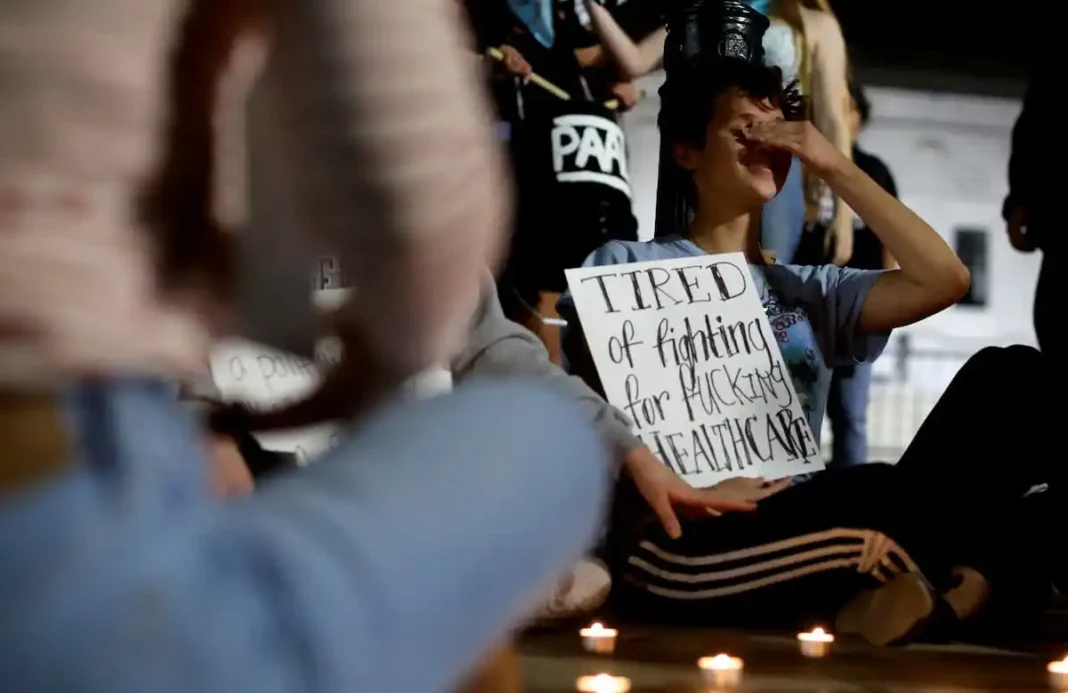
column 1048, row 307
column 968, row 491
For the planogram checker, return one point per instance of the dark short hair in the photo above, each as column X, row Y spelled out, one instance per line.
column 860, row 100
column 687, row 100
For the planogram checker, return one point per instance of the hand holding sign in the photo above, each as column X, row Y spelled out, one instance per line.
column 684, row 348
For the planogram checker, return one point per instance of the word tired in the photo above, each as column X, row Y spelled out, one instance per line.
column 656, row 288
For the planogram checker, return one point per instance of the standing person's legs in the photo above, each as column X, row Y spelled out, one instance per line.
column 847, row 409
column 783, row 217
column 431, row 530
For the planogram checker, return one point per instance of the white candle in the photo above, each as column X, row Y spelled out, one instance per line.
column 1058, row 674
column 816, row 643
column 603, row 683
column 599, row 639
column 722, row 671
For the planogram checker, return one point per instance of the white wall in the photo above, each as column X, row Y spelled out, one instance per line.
column 949, row 155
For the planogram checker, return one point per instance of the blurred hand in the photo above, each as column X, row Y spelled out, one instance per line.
column 628, row 95
column 228, row 474
column 665, row 491
column 515, row 63
column 838, row 241
column 1016, row 226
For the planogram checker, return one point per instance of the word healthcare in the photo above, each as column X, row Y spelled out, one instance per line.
column 684, row 348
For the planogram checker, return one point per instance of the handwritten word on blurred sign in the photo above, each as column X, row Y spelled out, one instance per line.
column 684, row 348
column 263, row 379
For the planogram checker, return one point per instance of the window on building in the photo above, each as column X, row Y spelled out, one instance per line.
column 971, row 247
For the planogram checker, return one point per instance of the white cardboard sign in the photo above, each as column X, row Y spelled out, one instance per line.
column 263, row 378
column 685, row 349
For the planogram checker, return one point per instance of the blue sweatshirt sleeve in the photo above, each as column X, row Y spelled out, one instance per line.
column 391, row 565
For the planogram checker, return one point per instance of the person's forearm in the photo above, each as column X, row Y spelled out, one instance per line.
column 922, row 255
column 328, row 580
column 634, row 60
column 393, row 161
column 830, row 101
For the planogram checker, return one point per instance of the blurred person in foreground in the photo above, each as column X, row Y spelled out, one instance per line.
column 120, row 571
column 1031, row 209
column 847, row 401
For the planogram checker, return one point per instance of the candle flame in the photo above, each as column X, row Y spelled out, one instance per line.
column 603, row 683
column 720, row 662
column 819, row 631
column 1059, row 666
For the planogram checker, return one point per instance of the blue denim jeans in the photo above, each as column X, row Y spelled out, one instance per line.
column 783, row 217
column 391, row 564
column 847, row 409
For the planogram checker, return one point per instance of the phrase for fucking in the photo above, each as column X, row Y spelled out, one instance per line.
column 684, row 348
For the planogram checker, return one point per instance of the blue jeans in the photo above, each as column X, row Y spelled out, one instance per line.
column 783, row 218
column 392, row 564
column 847, row 408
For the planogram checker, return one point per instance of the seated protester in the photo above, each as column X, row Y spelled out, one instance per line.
column 881, row 548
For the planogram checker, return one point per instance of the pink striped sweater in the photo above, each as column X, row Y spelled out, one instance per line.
column 380, row 117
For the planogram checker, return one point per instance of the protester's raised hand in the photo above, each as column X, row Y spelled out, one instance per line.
column 838, row 242
column 627, row 93
column 515, row 63
column 1016, row 226
column 665, row 491
column 799, row 138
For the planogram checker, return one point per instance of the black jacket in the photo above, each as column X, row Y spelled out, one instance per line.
column 1039, row 152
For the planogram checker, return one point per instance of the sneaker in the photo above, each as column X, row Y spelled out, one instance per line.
column 580, row 592
column 889, row 613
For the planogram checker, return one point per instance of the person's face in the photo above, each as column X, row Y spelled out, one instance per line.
column 853, row 121
column 730, row 169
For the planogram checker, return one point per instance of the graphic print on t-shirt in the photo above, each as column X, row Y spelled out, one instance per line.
column 797, row 342
column 589, row 149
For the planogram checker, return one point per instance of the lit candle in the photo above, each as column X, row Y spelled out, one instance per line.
column 722, row 671
column 1058, row 674
column 816, row 643
column 603, row 683
column 599, row 639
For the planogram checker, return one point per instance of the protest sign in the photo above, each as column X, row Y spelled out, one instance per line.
column 684, row 348
column 263, row 378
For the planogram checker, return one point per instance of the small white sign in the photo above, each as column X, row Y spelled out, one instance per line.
column 263, row 379
column 685, row 349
